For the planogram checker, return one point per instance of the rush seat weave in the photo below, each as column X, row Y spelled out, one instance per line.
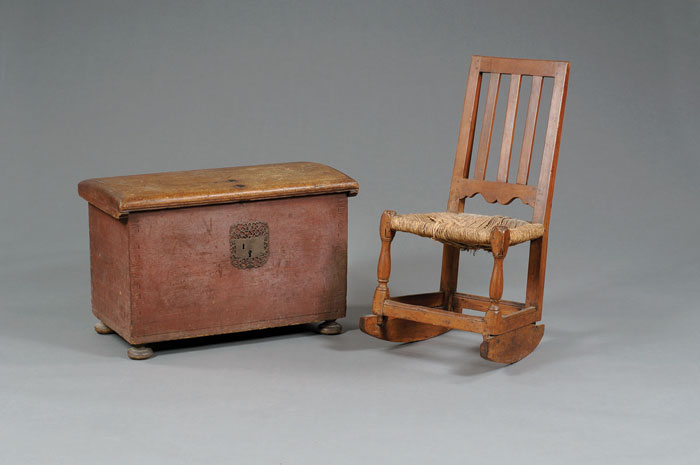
column 465, row 230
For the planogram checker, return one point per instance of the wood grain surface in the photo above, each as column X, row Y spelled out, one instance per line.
column 121, row 195
column 398, row 329
column 512, row 346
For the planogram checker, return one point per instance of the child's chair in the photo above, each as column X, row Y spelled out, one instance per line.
column 509, row 328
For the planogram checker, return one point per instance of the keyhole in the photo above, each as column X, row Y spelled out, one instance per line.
column 250, row 253
column 243, row 246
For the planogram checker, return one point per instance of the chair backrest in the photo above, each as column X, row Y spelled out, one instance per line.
column 538, row 197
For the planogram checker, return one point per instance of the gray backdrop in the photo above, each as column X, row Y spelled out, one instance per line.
column 102, row 88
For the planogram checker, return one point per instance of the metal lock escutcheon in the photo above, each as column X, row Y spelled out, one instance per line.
column 249, row 244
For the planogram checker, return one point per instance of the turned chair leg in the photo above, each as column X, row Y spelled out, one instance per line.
column 500, row 240
column 384, row 327
column 516, row 344
column 384, row 265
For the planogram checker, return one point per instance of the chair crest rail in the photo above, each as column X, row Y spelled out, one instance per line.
column 494, row 191
column 520, row 66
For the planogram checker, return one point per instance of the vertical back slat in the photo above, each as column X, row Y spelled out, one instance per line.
column 533, row 107
column 509, row 127
column 487, row 127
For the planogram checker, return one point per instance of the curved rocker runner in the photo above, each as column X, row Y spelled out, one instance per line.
column 509, row 329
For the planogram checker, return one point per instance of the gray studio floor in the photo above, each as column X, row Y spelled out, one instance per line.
column 614, row 381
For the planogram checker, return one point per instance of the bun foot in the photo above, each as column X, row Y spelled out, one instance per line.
column 102, row 328
column 330, row 327
column 140, row 353
column 513, row 346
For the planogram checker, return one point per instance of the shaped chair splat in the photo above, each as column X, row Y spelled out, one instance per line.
column 509, row 329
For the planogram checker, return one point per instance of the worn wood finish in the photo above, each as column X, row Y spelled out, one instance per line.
column 374, row 324
column 535, row 272
column 503, row 323
column 482, row 155
column 176, row 279
column 513, row 346
column 430, row 299
column 480, row 303
column 172, row 273
column 522, row 66
column 449, row 272
column 508, row 316
column 120, row 195
column 499, row 322
column 508, row 327
column 450, row 254
column 465, row 141
column 433, row 316
column 509, row 128
column 550, row 155
column 545, row 189
column 386, row 235
column 500, row 241
column 495, row 191
column 398, row 329
column 533, row 108
column 109, row 270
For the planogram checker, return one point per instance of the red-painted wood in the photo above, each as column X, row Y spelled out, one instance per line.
column 182, row 282
column 109, row 269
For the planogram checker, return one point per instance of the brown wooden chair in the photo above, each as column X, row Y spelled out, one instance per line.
column 510, row 330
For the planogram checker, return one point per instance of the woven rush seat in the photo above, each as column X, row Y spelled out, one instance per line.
column 465, row 230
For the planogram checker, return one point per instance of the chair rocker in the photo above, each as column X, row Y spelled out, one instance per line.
column 510, row 330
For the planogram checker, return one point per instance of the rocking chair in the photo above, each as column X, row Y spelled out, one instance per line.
column 510, row 330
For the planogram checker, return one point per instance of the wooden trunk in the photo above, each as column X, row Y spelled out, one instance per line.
column 264, row 246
